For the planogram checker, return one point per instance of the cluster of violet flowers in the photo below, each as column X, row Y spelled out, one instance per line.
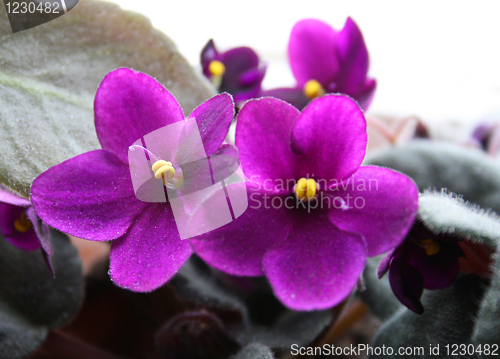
column 313, row 246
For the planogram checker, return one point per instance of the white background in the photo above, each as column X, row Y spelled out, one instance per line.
column 435, row 59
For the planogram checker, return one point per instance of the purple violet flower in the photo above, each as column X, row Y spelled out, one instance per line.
column 314, row 214
column 91, row 196
column 487, row 137
column 327, row 61
column 21, row 227
column 423, row 260
column 237, row 71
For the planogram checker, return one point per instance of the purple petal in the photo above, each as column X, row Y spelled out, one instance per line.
column 151, row 251
column 238, row 247
column 8, row 197
column 250, row 84
column 89, row 196
column 382, row 207
column 294, row 96
column 331, row 135
column 354, row 58
column 318, row 265
column 312, row 52
column 364, row 96
column 42, row 232
column 239, row 60
column 407, row 283
column 208, row 54
column 384, row 264
column 213, row 118
column 263, row 139
column 438, row 271
column 128, row 105
column 9, row 213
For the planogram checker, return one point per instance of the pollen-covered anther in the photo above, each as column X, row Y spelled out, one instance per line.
column 306, row 189
column 313, row 89
column 163, row 169
column 216, row 68
column 23, row 224
column 431, row 246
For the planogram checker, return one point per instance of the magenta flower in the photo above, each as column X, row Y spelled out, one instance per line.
column 91, row 196
column 21, row 227
column 237, row 71
column 313, row 216
column 423, row 260
column 327, row 61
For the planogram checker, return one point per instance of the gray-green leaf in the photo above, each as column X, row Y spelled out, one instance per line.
column 444, row 212
column 31, row 300
column 49, row 75
column 468, row 172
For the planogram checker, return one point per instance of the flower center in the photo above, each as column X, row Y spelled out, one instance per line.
column 430, row 245
column 216, row 68
column 313, row 89
column 23, row 224
column 165, row 171
column 306, row 189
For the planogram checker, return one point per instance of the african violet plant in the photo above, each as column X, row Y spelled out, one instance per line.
column 325, row 233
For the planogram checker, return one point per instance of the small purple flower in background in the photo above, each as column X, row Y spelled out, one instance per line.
column 21, row 227
column 487, row 137
column 237, row 71
column 423, row 260
column 91, row 196
column 313, row 216
column 327, row 61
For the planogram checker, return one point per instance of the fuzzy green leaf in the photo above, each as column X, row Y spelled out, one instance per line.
column 49, row 75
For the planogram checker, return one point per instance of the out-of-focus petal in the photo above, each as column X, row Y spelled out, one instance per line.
column 263, row 139
column 151, row 251
column 294, row 96
column 312, row 52
column 89, row 196
column 353, row 56
column 318, row 265
column 213, row 118
column 9, row 213
column 129, row 105
column 364, row 96
column 331, row 135
column 208, row 54
column 382, row 206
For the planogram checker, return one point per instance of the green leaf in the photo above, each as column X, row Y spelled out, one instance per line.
column 444, row 212
column 31, row 300
column 254, row 351
column 468, row 172
column 49, row 75
column 448, row 319
column 487, row 326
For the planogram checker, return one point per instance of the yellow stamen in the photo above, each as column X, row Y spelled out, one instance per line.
column 216, row 68
column 163, row 169
column 431, row 246
column 306, row 189
column 313, row 89
column 23, row 224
